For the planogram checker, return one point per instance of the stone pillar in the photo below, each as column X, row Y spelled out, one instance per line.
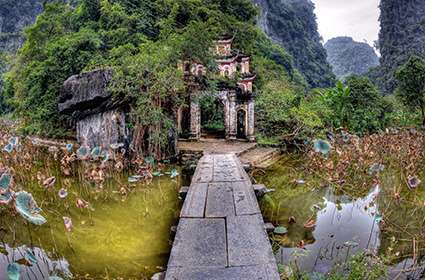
column 179, row 120
column 232, row 132
column 251, row 121
column 195, row 118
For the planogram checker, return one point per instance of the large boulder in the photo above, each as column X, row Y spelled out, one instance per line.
column 98, row 116
column 87, row 94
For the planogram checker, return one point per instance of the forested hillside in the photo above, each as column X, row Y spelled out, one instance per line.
column 348, row 57
column 143, row 41
column 292, row 24
column 402, row 34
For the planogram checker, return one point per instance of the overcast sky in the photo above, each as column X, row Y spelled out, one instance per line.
column 354, row 18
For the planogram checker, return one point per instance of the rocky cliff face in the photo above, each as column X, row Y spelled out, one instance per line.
column 14, row 17
column 292, row 24
column 348, row 57
column 402, row 34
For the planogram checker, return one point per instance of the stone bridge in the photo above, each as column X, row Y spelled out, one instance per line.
column 221, row 233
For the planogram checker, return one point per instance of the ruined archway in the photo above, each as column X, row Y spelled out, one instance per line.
column 241, row 124
column 212, row 117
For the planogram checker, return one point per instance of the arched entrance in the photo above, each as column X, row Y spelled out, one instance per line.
column 241, row 126
column 212, row 117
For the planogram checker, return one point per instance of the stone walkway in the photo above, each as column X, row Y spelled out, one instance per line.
column 221, row 233
column 210, row 146
column 249, row 153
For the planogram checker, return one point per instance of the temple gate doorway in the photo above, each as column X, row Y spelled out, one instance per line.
column 212, row 117
column 241, row 130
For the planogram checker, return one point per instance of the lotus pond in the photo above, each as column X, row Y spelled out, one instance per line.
column 99, row 221
column 365, row 197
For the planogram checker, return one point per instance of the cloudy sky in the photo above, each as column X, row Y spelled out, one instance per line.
column 354, row 18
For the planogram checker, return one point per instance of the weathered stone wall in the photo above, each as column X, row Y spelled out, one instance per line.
column 103, row 129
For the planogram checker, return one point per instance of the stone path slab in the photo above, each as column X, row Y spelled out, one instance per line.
column 221, row 233
column 199, row 243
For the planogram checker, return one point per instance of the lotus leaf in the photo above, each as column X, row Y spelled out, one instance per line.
column 5, row 180
column 322, row 146
column 280, row 230
column 27, row 207
column 14, row 141
column 30, row 257
column 6, row 197
column 69, row 147
column 13, row 271
column 82, row 151
column 174, row 173
column 8, row 148
column 96, row 152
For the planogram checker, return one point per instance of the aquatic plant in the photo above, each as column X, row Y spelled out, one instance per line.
column 322, row 146
column 30, row 257
column 69, row 147
column 82, row 152
column 8, row 148
column 81, row 203
column 413, row 182
column 26, row 206
column 116, row 146
column 13, row 271
column 6, row 198
column 280, row 230
column 14, row 141
column 5, row 181
column 49, row 182
column 96, row 152
column 67, row 221
column 63, row 193
column 174, row 173
column 135, row 178
column 157, row 173
column 376, row 168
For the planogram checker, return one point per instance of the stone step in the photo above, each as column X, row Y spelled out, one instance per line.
column 260, row 157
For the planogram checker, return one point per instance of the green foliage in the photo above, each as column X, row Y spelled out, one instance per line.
column 411, row 85
column 285, row 114
column 359, row 267
column 212, row 113
column 356, row 106
column 153, row 83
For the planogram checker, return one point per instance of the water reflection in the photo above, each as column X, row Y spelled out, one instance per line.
column 119, row 235
column 46, row 265
column 344, row 226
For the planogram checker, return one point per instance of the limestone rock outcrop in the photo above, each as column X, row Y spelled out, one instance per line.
column 292, row 24
column 348, row 57
column 99, row 117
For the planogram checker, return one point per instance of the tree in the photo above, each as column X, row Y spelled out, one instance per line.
column 355, row 105
column 411, row 84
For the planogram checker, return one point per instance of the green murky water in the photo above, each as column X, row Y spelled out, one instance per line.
column 124, row 233
column 327, row 225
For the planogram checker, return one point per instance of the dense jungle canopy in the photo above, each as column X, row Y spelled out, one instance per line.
column 151, row 35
